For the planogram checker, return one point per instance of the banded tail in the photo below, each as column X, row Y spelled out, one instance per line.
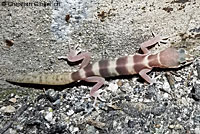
column 43, row 78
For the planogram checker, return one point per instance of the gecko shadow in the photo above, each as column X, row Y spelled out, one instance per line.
column 41, row 86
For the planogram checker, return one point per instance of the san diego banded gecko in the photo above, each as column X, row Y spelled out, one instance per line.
column 128, row 65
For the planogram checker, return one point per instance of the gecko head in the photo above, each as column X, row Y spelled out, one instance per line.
column 172, row 58
column 184, row 57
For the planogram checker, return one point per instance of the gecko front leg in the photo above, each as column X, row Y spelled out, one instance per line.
column 143, row 74
column 151, row 42
column 144, row 47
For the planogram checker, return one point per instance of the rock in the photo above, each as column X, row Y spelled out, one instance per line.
column 158, row 110
column 49, row 116
column 127, row 98
column 166, row 87
column 9, row 109
column 12, row 131
column 113, row 87
column 58, row 129
column 131, row 123
column 2, row 109
column 198, row 69
column 13, row 100
column 70, row 112
column 90, row 130
column 196, row 92
column 178, row 79
column 76, row 129
column 166, row 96
column 197, row 130
column 52, row 95
column 57, row 102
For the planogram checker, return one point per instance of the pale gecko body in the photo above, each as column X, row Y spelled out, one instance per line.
column 128, row 65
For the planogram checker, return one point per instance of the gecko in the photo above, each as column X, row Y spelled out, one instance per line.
column 97, row 72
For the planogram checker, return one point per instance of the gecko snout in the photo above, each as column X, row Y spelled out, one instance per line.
column 184, row 57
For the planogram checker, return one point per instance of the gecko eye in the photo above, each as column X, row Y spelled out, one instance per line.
column 181, row 51
column 182, row 55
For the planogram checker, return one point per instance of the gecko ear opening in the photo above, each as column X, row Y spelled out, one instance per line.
column 182, row 55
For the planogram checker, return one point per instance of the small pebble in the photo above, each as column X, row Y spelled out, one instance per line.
column 76, row 129
column 13, row 100
column 178, row 79
column 196, row 94
column 131, row 124
column 49, row 116
column 198, row 69
column 114, row 123
column 90, row 130
column 113, row 87
column 171, row 126
column 127, row 98
column 166, row 86
column 165, row 95
column 2, row 109
column 12, row 95
column 12, row 131
column 17, row 96
column 52, row 95
column 57, row 102
column 20, row 127
column 197, row 130
column 9, row 109
column 70, row 112
column 119, row 83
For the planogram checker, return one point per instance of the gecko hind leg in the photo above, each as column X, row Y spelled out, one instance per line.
column 74, row 56
column 95, row 91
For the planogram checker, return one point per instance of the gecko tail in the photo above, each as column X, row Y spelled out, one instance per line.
column 43, row 79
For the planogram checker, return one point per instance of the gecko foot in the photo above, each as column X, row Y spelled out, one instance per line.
column 72, row 53
column 163, row 39
column 154, row 79
column 96, row 95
